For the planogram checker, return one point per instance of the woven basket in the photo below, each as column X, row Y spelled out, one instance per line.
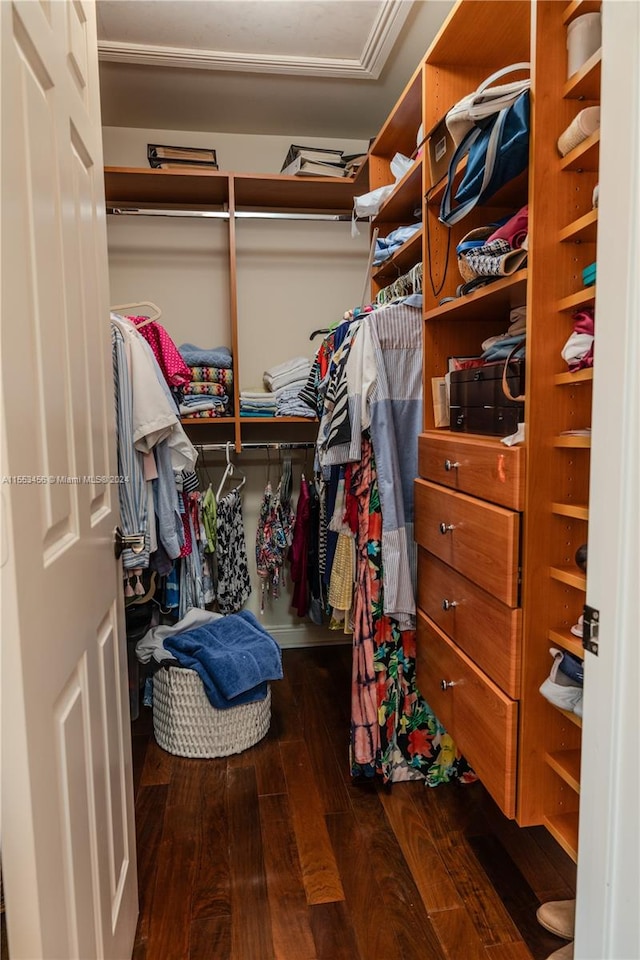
column 185, row 723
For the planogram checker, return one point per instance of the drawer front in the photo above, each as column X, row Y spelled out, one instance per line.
column 478, row 539
column 488, row 631
column 482, row 467
column 482, row 719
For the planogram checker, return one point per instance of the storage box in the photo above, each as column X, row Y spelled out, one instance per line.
column 440, row 149
column 493, row 421
column 478, row 403
column 584, row 37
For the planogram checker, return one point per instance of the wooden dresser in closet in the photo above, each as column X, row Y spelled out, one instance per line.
column 467, row 525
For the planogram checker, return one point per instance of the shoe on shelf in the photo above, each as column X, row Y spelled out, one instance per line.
column 564, row 953
column 558, row 917
column 561, row 690
column 576, row 629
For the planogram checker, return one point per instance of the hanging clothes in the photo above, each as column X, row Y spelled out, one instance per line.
column 234, row 583
column 299, row 551
column 394, row 732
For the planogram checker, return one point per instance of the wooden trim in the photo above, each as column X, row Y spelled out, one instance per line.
column 585, row 83
column 584, row 157
column 577, row 7
column 510, row 292
column 195, row 421
column 566, row 763
column 399, row 206
column 567, row 641
column 580, row 376
column 573, row 442
column 399, row 262
column 582, row 230
column 565, row 575
column 578, row 299
column 564, row 827
column 577, row 511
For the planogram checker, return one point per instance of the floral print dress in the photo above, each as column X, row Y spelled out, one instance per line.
column 394, row 733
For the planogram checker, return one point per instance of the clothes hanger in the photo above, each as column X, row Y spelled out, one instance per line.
column 140, row 303
column 229, row 472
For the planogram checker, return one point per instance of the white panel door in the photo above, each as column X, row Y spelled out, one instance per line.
column 68, row 841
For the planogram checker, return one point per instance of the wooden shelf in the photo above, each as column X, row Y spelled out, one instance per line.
column 399, row 132
column 567, row 575
column 570, row 510
column 564, row 827
column 405, row 199
column 579, row 299
column 566, row 640
column 575, row 443
column 486, row 302
column 577, row 7
column 401, row 261
column 513, row 194
column 311, row 194
column 566, row 764
column 138, row 186
column 208, row 421
column 585, row 82
column 585, row 158
column 313, row 420
column 570, row 715
column 580, row 376
column 582, row 230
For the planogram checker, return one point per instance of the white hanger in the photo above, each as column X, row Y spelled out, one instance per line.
column 229, row 472
column 140, row 303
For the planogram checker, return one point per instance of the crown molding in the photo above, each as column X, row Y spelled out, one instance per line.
column 368, row 66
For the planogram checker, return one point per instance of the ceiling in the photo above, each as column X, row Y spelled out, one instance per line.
column 331, row 68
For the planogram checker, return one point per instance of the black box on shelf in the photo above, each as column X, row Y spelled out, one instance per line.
column 478, row 403
column 165, row 157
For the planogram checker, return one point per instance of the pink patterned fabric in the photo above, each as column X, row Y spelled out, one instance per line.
column 175, row 370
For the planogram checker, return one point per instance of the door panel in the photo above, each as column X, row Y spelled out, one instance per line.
column 68, row 832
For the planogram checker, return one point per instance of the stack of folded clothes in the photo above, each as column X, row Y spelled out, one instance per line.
column 286, row 380
column 286, row 374
column 288, row 403
column 210, row 391
column 257, row 403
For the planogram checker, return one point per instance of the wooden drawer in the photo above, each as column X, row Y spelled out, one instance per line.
column 480, row 466
column 480, row 540
column 488, row 631
column 482, row 719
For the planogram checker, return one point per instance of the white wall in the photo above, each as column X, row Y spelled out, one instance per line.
column 239, row 153
column 293, row 277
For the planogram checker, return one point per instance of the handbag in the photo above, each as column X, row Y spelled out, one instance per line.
column 491, row 128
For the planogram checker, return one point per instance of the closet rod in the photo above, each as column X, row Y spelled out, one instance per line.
column 225, row 215
column 221, row 447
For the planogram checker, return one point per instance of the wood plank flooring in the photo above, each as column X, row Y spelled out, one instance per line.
column 276, row 854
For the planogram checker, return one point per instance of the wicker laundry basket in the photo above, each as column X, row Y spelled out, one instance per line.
column 185, row 723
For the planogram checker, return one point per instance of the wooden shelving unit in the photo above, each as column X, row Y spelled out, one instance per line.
column 229, row 194
column 476, row 39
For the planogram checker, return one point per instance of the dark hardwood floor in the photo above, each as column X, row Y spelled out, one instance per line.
column 275, row 854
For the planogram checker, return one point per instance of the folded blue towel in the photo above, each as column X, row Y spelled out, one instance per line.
column 233, row 656
column 195, row 356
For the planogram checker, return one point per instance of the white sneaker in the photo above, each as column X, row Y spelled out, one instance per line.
column 561, row 690
column 576, row 629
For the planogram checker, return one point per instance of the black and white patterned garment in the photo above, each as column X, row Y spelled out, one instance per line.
column 234, row 584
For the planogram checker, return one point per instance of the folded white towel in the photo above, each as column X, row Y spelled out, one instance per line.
column 286, row 367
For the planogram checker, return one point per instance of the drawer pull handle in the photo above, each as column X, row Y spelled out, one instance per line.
column 449, row 604
column 451, row 465
column 445, row 684
column 446, row 527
